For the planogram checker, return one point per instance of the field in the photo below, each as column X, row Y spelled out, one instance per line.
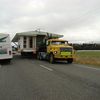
column 88, row 57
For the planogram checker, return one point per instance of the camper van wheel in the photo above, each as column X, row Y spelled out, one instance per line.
column 22, row 54
column 8, row 61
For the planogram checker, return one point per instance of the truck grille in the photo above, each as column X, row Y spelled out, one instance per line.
column 65, row 49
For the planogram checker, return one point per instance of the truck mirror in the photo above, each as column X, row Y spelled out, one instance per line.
column 47, row 43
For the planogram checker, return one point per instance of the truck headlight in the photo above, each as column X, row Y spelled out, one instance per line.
column 55, row 52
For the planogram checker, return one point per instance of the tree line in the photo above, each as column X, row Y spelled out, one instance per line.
column 86, row 46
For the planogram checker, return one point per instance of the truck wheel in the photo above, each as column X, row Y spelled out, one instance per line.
column 70, row 61
column 38, row 56
column 51, row 58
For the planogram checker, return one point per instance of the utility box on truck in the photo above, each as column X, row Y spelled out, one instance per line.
column 29, row 42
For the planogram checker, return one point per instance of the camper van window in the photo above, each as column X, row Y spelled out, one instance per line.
column 24, row 42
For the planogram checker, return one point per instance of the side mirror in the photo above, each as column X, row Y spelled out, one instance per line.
column 47, row 43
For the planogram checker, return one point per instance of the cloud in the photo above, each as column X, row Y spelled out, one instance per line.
column 78, row 20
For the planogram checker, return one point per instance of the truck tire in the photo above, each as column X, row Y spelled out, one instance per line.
column 51, row 58
column 38, row 56
column 70, row 61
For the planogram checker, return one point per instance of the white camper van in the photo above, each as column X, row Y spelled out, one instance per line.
column 5, row 47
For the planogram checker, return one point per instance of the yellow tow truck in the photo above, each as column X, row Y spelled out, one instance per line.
column 56, row 49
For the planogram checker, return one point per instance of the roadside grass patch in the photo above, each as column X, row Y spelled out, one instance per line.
column 88, row 57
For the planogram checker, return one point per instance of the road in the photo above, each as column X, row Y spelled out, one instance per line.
column 30, row 79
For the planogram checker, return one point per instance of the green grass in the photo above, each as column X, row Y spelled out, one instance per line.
column 88, row 57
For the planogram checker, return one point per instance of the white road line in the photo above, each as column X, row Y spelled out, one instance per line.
column 46, row 68
column 0, row 66
column 93, row 68
column 89, row 67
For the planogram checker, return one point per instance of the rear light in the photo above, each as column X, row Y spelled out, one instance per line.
column 9, row 52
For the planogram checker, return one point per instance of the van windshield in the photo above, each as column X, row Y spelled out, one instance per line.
column 3, row 39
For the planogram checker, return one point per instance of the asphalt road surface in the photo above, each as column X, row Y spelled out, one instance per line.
column 30, row 79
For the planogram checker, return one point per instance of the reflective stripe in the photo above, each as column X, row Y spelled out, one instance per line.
column 66, row 53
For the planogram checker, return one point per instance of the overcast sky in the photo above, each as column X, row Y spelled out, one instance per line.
column 77, row 20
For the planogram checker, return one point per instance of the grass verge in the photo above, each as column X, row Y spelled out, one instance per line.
column 88, row 57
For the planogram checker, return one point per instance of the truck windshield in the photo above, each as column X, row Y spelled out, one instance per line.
column 59, row 42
